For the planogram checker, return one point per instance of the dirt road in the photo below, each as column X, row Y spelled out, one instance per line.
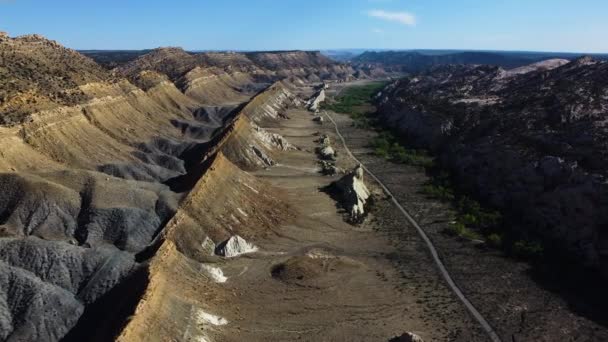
column 319, row 278
column 440, row 266
column 520, row 300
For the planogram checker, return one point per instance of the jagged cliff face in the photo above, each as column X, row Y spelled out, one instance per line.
column 531, row 141
column 92, row 181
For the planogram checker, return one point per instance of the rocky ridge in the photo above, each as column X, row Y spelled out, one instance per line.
column 99, row 184
column 39, row 74
column 353, row 194
column 530, row 141
column 424, row 60
column 227, row 74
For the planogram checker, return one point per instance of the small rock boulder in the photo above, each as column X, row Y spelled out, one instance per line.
column 208, row 246
column 330, row 169
column 316, row 100
column 324, row 140
column 327, row 153
column 262, row 156
column 234, row 247
column 353, row 193
column 407, row 337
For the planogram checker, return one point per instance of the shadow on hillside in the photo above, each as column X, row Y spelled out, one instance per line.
column 104, row 319
column 583, row 289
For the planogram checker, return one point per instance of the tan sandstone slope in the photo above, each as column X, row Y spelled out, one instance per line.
column 116, row 178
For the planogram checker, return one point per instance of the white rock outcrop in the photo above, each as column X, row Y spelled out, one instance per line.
column 324, row 140
column 208, row 246
column 272, row 140
column 327, row 153
column 329, row 168
column 408, row 337
column 274, row 106
column 316, row 100
column 234, row 247
column 354, row 193
column 205, row 318
column 256, row 153
column 215, row 273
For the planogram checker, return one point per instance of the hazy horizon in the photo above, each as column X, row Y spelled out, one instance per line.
column 360, row 50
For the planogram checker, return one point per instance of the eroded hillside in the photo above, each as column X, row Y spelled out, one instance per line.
column 530, row 141
column 101, row 174
column 216, row 77
column 38, row 73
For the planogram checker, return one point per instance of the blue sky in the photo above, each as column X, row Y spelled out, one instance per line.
column 535, row 25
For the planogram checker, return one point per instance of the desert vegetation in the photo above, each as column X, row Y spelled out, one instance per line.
column 357, row 102
column 472, row 220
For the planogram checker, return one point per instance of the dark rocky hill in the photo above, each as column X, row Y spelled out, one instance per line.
column 530, row 141
column 175, row 62
column 290, row 59
column 111, row 59
column 417, row 61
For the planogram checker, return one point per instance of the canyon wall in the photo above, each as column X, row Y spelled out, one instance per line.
column 529, row 141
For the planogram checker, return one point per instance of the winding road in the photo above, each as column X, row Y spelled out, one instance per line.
column 442, row 269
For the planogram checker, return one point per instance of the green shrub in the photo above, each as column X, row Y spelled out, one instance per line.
column 382, row 144
column 469, row 219
column 438, row 192
column 473, row 214
column 490, row 218
column 387, row 146
column 468, row 205
column 494, row 240
column 355, row 101
column 459, row 229
column 527, row 249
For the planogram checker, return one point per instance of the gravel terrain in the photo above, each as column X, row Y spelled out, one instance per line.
column 519, row 305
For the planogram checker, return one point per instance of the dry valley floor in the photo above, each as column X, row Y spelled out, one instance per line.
column 319, row 278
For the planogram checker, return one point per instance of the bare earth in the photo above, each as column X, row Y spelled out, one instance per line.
column 518, row 303
column 322, row 279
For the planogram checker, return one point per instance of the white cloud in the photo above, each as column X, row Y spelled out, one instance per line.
column 404, row 18
column 377, row 30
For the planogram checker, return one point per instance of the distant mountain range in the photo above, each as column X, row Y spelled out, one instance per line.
column 418, row 60
column 393, row 61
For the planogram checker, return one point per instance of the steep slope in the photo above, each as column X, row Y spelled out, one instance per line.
column 38, row 74
column 307, row 64
column 172, row 306
column 90, row 184
column 213, row 77
column 211, row 85
column 171, row 61
column 195, row 74
column 531, row 142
